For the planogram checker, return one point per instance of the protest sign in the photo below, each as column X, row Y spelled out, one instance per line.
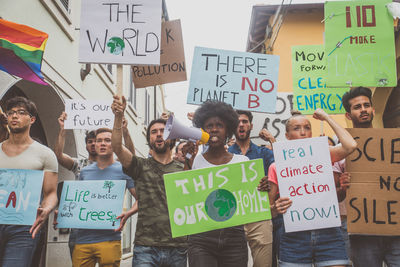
column 120, row 31
column 309, row 87
column 91, row 204
column 373, row 197
column 88, row 114
column 273, row 122
column 247, row 81
column 172, row 66
column 20, row 192
column 218, row 197
column 359, row 44
column 305, row 175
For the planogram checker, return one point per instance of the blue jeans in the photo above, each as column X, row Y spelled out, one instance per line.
column 346, row 236
column 219, row 248
column 16, row 245
column 144, row 256
column 372, row 251
column 277, row 234
column 322, row 247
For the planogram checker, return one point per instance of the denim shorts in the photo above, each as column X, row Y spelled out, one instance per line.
column 322, row 247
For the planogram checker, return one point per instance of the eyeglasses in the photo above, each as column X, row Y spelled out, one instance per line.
column 19, row 112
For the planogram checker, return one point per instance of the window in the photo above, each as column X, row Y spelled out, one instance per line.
column 109, row 68
column 62, row 13
column 65, row 3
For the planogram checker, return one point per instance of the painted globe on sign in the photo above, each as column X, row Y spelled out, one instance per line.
column 115, row 45
column 220, row 205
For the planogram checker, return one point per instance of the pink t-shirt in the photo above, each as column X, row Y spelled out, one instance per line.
column 272, row 177
column 339, row 167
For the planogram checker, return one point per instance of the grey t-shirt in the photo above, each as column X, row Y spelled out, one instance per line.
column 35, row 157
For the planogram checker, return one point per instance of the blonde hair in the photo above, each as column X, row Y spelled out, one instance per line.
column 295, row 113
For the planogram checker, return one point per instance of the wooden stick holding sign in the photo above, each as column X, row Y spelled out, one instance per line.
column 120, row 83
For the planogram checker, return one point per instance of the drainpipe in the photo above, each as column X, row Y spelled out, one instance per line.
column 155, row 102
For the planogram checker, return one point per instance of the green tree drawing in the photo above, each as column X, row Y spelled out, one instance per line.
column 109, row 185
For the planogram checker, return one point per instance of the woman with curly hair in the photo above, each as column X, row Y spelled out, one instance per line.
column 228, row 246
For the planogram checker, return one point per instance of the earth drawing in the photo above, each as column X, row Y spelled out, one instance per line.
column 115, row 45
column 220, row 205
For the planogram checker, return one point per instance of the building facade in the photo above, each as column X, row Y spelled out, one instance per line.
column 69, row 79
column 274, row 29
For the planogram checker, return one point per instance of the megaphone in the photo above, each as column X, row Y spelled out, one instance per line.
column 174, row 129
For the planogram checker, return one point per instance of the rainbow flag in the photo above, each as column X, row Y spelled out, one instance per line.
column 21, row 51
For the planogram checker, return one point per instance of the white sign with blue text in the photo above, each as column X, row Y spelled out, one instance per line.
column 305, row 175
column 247, row 81
column 20, row 192
column 91, row 204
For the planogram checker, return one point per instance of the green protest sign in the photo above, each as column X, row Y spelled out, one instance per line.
column 359, row 44
column 309, row 83
column 218, row 197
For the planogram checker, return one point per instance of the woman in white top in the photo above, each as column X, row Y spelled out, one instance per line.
column 223, row 247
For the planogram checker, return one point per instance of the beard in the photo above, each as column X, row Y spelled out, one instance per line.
column 363, row 123
column 158, row 149
column 17, row 130
column 245, row 137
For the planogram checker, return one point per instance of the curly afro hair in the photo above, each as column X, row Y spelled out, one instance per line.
column 218, row 109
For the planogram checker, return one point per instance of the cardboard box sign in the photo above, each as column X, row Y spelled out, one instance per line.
column 373, row 203
column 172, row 66
column 373, row 199
column 377, row 150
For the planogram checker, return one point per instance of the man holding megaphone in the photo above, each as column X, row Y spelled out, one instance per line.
column 154, row 244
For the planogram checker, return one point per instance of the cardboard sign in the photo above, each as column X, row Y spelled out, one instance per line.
column 309, row 87
column 20, row 192
column 172, row 66
column 218, row 197
column 91, row 204
column 378, row 150
column 305, row 175
column 373, row 197
column 247, row 81
column 359, row 44
column 88, row 114
column 120, row 31
column 275, row 122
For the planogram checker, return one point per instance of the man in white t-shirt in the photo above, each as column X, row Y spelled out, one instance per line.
column 20, row 151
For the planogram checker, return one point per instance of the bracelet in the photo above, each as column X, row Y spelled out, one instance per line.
column 116, row 128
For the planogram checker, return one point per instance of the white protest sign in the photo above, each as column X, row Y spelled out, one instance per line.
column 88, row 114
column 273, row 122
column 120, row 31
column 305, row 175
column 247, row 81
column 91, row 204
